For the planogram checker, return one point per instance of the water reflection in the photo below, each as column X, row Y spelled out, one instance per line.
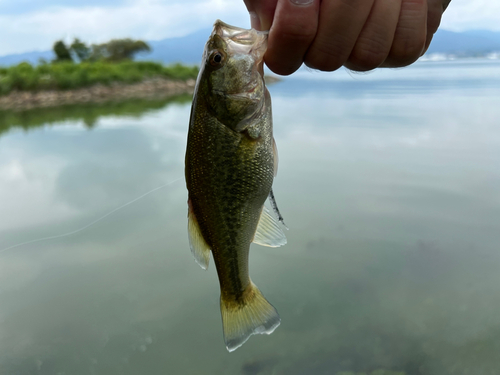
column 71, row 304
column 89, row 113
column 391, row 266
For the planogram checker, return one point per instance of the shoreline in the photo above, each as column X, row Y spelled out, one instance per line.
column 149, row 88
column 152, row 87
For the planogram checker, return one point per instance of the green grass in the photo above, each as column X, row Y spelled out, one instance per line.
column 68, row 75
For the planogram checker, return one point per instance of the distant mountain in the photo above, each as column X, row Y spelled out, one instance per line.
column 466, row 43
column 188, row 49
column 486, row 34
column 31, row 57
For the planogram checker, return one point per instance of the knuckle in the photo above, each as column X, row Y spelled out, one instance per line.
column 368, row 55
column 323, row 63
column 352, row 5
column 324, row 57
column 300, row 34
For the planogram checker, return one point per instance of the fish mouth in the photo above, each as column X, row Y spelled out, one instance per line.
column 241, row 40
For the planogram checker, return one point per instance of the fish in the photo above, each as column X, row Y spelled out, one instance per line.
column 231, row 161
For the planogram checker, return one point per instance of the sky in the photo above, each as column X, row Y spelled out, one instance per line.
column 34, row 25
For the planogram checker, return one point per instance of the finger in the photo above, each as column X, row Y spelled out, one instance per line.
column 293, row 30
column 261, row 13
column 375, row 40
column 435, row 9
column 411, row 34
column 340, row 24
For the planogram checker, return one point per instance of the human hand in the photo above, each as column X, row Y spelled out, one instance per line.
column 359, row 34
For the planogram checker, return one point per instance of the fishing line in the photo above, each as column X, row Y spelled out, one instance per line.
column 92, row 223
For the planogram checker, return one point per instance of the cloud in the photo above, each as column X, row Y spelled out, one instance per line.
column 472, row 14
column 30, row 182
column 143, row 19
column 21, row 6
column 34, row 25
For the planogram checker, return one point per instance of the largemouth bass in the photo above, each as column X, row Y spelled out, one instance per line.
column 231, row 161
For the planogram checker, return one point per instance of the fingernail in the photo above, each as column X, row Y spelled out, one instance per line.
column 254, row 21
column 302, row 2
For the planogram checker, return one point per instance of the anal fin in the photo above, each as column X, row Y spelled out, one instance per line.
column 268, row 231
column 198, row 245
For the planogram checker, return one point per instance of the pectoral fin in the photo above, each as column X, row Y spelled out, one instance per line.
column 198, row 245
column 268, row 231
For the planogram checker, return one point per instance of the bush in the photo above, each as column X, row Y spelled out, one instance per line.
column 67, row 75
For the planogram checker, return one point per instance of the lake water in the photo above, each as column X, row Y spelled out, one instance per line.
column 388, row 181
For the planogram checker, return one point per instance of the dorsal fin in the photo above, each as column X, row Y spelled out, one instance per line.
column 276, row 210
column 268, row 231
column 198, row 245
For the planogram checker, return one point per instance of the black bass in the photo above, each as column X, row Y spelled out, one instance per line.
column 231, row 161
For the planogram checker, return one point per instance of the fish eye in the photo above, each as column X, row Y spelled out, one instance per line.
column 217, row 58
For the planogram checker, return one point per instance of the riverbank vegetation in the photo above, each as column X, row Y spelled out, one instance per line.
column 77, row 66
column 68, row 75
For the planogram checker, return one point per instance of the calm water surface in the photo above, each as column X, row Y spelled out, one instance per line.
column 389, row 182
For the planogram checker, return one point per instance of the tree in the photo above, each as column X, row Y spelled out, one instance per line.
column 99, row 52
column 119, row 49
column 61, row 51
column 80, row 50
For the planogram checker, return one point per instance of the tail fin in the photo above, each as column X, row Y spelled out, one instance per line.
column 241, row 320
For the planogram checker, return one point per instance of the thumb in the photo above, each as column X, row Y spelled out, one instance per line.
column 261, row 13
